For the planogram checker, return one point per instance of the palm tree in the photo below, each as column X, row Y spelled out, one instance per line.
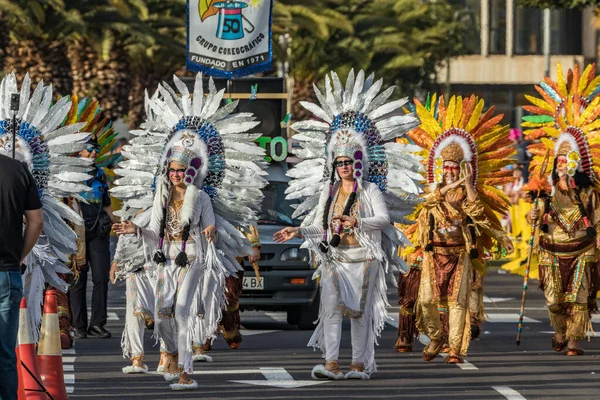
column 31, row 43
column 318, row 32
column 409, row 39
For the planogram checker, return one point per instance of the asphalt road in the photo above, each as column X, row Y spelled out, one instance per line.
column 274, row 362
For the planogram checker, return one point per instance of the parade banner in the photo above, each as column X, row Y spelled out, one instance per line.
column 229, row 38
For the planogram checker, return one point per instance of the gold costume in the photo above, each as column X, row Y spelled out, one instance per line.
column 567, row 263
column 454, row 229
column 565, row 125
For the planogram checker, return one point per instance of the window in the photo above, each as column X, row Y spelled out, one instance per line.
column 528, row 31
column 470, row 15
column 562, row 21
column 497, row 26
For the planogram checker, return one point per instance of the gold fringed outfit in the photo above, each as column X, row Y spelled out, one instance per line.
column 452, row 231
column 566, row 123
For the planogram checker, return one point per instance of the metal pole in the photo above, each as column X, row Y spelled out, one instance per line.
column 546, row 41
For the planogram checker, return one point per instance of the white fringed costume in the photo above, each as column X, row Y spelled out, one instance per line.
column 46, row 148
column 355, row 121
column 224, row 170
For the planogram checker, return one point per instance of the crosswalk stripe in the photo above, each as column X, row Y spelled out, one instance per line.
column 508, row 392
column 110, row 316
column 69, row 379
column 508, row 318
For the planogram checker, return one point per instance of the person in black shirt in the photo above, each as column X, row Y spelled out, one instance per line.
column 98, row 218
column 18, row 198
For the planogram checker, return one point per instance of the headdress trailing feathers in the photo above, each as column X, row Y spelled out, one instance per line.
column 461, row 132
column 221, row 159
column 357, row 121
column 565, row 119
column 44, row 142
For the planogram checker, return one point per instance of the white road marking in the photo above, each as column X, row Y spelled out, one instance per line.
column 279, row 377
column 69, row 379
column 588, row 333
column 487, row 299
column 249, row 332
column 110, row 316
column 277, row 316
column 219, row 372
column 464, row 365
column 504, row 318
column 491, row 318
column 68, row 366
column 510, row 394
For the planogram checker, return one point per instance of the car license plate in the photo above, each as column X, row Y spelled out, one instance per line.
column 253, row 283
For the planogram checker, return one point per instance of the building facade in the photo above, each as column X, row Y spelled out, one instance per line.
column 507, row 57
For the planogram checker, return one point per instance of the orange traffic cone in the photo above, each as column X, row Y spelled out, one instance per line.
column 28, row 357
column 20, row 388
column 49, row 353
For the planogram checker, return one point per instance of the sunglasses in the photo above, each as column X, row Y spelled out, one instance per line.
column 344, row 163
column 91, row 149
column 176, row 171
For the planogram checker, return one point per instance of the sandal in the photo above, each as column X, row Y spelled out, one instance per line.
column 574, row 352
column 453, row 359
column 429, row 355
column 558, row 346
column 331, row 370
column 184, row 383
column 357, row 371
column 403, row 348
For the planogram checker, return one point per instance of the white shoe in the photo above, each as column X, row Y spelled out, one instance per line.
column 181, row 386
column 319, row 372
column 202, row 358
column 357, row 375
column 161, row 369
column 171, row 377
column 132, row 369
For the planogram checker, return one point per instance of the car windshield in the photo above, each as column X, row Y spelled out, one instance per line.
column 275, row 208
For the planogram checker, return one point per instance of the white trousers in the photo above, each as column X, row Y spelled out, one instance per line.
column 139, row 304
column 175, row 291
column 360, row 328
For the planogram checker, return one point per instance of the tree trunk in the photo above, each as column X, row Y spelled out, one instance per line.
column 108, row 81
column 45, row 61
column 303, row 91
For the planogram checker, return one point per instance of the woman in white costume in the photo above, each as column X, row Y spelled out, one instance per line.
column 209, row 177
column 361, row 186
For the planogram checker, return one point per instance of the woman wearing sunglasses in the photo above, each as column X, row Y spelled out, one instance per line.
column 348, row 226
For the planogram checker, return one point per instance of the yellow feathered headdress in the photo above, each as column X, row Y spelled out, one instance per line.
column 484, row 143
column 565, row 119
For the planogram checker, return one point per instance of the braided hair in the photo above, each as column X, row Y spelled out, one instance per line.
column 324, row 246
column 336, row 238
column 159, row 255
column 182, row 259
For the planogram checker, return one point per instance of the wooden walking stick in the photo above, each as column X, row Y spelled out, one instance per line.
column 534, row 225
